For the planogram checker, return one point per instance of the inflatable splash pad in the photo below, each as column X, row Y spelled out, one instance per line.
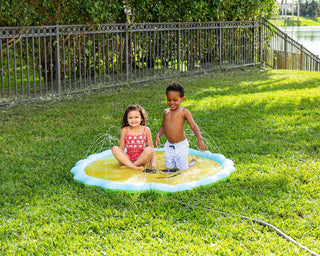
column 102, row 170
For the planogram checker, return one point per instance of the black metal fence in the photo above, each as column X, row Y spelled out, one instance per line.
column 56, row 60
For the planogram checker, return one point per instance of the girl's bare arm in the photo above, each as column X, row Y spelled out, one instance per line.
column 122, row 138
column 149, row 137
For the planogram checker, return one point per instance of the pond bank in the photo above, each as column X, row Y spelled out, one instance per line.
column 303, row 21
column 308, row 36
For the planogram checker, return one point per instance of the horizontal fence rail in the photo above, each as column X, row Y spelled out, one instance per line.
column 56, row 60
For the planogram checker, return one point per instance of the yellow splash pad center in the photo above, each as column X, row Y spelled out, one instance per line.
column 108, row 169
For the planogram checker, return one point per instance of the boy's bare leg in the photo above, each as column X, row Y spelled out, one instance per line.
column 123, row 158
column 147, row 155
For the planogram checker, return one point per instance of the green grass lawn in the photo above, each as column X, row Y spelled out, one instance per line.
column 267, row 122
column 303, row 21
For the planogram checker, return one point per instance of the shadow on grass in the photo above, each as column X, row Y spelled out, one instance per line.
column 266, row 138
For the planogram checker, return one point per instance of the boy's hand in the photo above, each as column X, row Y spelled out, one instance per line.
column 201, row 146
column 157, row 141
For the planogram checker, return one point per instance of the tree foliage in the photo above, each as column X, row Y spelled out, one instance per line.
column 310, row 8
column 50, row 12
column 190, row 10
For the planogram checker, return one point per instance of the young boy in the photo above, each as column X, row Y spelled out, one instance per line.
column 177, row 147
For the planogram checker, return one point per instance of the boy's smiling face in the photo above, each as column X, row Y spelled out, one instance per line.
column 174, row 99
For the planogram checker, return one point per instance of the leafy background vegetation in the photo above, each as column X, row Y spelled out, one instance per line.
column 51, row 12
column 267, row 122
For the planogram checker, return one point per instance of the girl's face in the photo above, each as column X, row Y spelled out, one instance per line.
column 134, row 118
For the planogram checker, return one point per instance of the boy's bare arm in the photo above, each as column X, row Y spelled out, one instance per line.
column 159, row 134
column 196, row 130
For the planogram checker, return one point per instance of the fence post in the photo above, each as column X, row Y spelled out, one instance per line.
column 285, row 51
column 220, row 44
column 127, row 53
column 58, row 59
column 260, row 43
column 1, row 70
column 254, row 43
column 179, row 48
column 301, row 57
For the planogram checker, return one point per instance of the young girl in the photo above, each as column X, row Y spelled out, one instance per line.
column 134, row 137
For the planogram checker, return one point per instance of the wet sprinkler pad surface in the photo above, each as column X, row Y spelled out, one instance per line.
column 102, row 170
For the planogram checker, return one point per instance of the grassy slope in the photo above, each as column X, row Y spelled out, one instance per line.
column 303, row 21
column 267, row 122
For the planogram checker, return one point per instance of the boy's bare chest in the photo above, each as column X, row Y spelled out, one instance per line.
column 174, row 117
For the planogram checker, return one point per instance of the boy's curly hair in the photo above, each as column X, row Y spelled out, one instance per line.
column 176, row 87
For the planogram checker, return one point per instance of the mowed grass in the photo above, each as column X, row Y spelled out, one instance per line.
column 303, row 21
column 267, row 122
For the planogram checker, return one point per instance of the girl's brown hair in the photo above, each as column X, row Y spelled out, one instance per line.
column 130, row 108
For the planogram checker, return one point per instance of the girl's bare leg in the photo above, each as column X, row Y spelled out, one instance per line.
column 146, row 156
column 192, row 162
column 153, row 163
column 123, row 158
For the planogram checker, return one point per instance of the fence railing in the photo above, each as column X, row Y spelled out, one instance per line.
column 280, row 51
column 57, row 60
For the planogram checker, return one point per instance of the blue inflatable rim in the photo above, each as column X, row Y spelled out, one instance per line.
column 79, row 174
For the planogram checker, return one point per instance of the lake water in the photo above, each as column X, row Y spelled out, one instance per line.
column 308, row 36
